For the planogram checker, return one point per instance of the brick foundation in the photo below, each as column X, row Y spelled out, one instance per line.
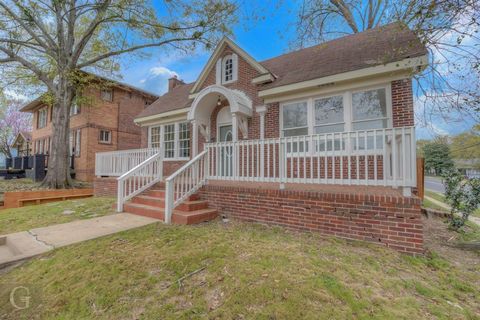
column 105, row 187
column 390, row 220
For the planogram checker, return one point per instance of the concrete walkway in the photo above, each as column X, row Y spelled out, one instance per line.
column 22, row 245
column 447, row 207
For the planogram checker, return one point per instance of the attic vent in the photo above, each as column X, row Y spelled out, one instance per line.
column 326, row 85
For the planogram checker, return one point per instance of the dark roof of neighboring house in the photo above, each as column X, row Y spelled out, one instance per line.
column 381, row 45
column 177, row 98
column 38, row 101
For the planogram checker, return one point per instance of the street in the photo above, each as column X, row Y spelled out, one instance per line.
column 434, row 184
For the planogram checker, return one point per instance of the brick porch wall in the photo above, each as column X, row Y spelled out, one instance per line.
column 392, row 221
column 105, row 187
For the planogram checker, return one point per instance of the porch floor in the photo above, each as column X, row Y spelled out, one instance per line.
column 321, row 188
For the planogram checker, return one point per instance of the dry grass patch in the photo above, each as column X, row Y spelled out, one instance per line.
column 242, row 271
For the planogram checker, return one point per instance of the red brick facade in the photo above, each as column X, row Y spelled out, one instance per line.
column 402, row 103
column 114, row 116
column 392, row 221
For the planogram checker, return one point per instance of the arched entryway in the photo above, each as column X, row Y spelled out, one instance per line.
column 238, row 109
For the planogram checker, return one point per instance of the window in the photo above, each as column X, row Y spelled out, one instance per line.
column 295, row 119
column 175, row 138
column 329, row 115
column 155, row 133
column 107, row 94
column 183, row 140
column 105, row 136
column 42, row 118
column 369, row 109
column 169, row 141
column 228, row 69
column 74, row 109
column 74, row 142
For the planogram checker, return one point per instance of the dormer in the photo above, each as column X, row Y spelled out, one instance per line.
column 223, row 67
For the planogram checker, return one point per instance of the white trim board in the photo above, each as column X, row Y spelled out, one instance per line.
column 406, row 64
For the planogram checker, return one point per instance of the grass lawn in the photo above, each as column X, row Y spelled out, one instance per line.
column 246, row 271
column 440, row 197
column 25, row 218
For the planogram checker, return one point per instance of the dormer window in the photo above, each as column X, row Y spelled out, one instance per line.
column 227, row 69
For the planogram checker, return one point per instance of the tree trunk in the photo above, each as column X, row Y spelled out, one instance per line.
column 58, row 174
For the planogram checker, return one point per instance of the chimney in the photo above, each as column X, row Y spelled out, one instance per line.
column 173, row 82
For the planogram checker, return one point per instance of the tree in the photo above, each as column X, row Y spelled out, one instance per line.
column 49, row 42
column 449, row 29
column 12, row 122
column 462, row 195
column 437, row 157
column 466, row 145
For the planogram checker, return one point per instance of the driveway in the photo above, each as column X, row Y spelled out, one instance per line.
column 26, row 244
column 434, row 184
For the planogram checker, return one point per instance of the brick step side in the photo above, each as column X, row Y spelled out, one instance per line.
column 158, row 202
column 192, row 205
column 193, row 217
column 144, row 210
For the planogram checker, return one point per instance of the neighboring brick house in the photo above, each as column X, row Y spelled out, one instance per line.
column 318, row 139
column 103, row 123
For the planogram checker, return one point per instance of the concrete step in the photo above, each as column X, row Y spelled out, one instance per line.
column 150, row 201
column 144, row 210
column 193, row 217
column 192, row 205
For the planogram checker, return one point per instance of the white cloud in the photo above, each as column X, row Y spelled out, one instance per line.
column 156, row 79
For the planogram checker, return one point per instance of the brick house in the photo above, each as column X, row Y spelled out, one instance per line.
column 104, row 122
column 319, row 139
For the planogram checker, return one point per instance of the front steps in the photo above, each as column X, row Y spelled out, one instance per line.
column 151, row 204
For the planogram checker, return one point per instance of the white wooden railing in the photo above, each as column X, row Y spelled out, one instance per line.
column 184, row 182
column 370, row 157
column 139, row 178
column 116, row 163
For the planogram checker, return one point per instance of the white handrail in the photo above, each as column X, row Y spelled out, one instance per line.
column 139, row 178
column 116, row 163
column 184, row 182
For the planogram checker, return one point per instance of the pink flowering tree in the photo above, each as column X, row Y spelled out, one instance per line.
column 12, row 122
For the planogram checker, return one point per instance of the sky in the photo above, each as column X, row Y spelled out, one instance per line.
column 262, row 39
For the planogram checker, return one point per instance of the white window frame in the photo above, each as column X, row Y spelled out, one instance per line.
column 100, row 138
column 106, row 90
column 40, row 111
column 74, row 109
column 347, row 107
column 222, row 67
column 176, row 140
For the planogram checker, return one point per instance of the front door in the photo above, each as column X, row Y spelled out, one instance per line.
column 225, row 159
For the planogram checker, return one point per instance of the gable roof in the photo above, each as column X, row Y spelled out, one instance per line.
column 215, row 55
column 390, row 43
column 175, row 99
column 25, row 135
column 381, row 45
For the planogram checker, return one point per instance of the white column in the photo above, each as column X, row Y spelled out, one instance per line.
column 234, row 127
column 261, row 110
column 194, row 138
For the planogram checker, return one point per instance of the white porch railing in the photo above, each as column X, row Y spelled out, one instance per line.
column 116, row 163
column 139, row 178
column 184, row 182
column 371, row 157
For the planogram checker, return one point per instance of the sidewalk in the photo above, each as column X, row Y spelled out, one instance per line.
column 26, row 244
column 447, row 207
